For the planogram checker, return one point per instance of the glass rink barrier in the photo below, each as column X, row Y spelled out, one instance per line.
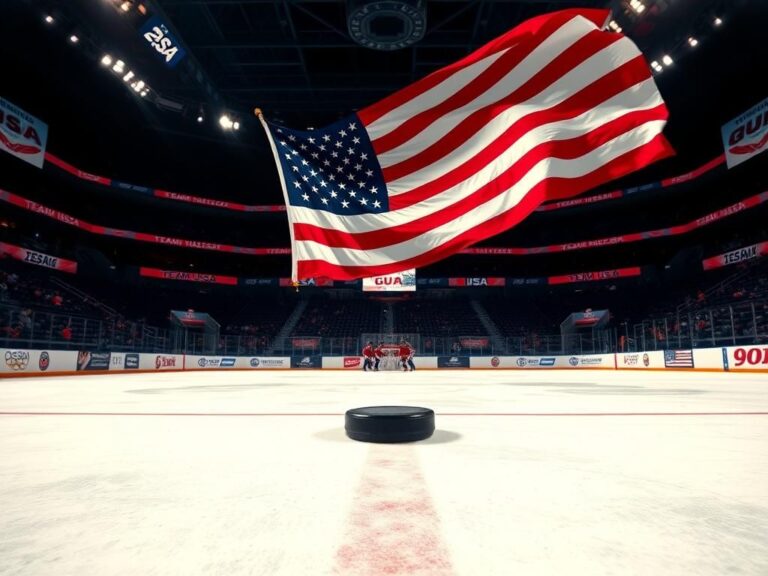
column 725, row 325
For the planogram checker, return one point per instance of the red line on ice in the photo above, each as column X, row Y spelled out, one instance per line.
column 394, row 527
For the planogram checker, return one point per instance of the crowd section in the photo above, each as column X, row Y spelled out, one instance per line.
column 731, row 309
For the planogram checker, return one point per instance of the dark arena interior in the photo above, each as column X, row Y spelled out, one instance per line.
column 191, row 300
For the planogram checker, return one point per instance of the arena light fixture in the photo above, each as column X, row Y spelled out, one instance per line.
column 139, row 86
column 236, row 125
column 200, row 119
column 656, row 66
column 692, row 42
column 144, row 93
column 128, row 76
column 74, row 39
column 717, row 21
column 106, row 60
column 49, row 19
column 226, row 122
column 119, row 67
column 667, row 60
column 637, row 6
column 125, row 6
column 613, row 25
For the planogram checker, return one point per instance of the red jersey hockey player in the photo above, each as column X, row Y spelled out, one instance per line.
column 379, row 353
column 406, row 356
column 368, row 356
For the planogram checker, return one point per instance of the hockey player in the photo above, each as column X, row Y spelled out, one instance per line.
column 379, row 354
column 406, row 356
column 368, row 356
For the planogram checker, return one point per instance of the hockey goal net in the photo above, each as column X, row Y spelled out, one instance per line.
column 390, row 360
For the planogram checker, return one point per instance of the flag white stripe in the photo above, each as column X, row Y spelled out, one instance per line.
column 547, row 168
column 520, row 75
column 586, row 73
column 642, row 96
column 637, row 97
column 435, row 95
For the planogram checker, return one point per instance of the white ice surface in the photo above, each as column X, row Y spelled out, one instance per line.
column 514, row 495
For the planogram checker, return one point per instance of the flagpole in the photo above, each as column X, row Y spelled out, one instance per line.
column 294, row 272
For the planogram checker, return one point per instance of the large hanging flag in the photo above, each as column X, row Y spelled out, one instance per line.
column 551, row 109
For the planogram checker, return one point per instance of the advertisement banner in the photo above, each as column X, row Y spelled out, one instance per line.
column 162, row 42
column 746, row 135
column 305, row 342
column 639, row 360
column 209, row 362
column 474, row 342
column 38, row 258
column 453, row 361
column 595, row 276
column 306, row 362
column 316, row 282
column 21, row 134
column 404, row 281
column 264, row 363
column 87, row 360
column 36, row 361
column 746, row 358
column 497, row 282
column 187, row 276
column 161, row 361
column 735, row 256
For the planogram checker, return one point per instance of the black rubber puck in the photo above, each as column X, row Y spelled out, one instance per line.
column 389, row 423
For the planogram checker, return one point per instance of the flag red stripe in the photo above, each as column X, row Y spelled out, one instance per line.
column 520, row 34
column 570, row 58
column 656, row 149
column 562, row 149
column 631, row 73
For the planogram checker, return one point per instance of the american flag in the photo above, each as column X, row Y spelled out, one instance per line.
column 551, row 109
column 678, row 358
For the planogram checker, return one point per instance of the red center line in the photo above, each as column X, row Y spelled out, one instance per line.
column 335, row 414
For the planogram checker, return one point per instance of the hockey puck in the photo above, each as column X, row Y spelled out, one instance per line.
column 388, row 424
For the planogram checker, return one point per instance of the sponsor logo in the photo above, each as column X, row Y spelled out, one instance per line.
column 165, row 362
column 631, row 359
column 750, row 356
column 646, row 360
column 591, row 361
column 254, row 362
column 521, row 362
column 227, row 362
column 547, row 362
column 17, row 359
column 212, row 362
column 573, row 361
column 44, row 362
column 131, row 361
column 352, row 362
column 495, row 361
column 306, row 361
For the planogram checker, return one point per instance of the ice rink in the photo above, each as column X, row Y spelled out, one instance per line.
column 529, row 472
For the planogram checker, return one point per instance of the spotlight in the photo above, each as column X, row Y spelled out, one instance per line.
column 613, row 25
column 139, row 86
column 667, row 60
column 142, row 9
column 144, row 93
column 637, row 6
column 74, row 39
column 717, row 21
column 656, row 66
column 200, row 119
column 692, row 42
column 106, row 60
column 128, row 76
column 225, row 122
column 125, row 6
column 236, row 125
column 49, row 19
